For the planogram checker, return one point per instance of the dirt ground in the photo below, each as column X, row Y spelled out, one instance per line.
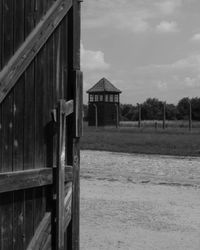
column 139, row 202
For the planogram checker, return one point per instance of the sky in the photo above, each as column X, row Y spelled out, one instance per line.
column 146, row 48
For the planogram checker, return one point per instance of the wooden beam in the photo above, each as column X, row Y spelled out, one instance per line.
column 68, row 173
column 67, row 207
column 12, row 181
column 42, row 233
column 32, row 45
column 67, row 108
column 61, row 124
column 76, row 196
column 78, row 102
column 42, row 237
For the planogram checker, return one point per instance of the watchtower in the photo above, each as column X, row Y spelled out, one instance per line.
column 103, row 104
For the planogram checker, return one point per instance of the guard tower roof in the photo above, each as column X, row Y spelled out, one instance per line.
column 103, row 86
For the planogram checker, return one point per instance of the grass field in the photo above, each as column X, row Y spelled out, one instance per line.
column 172, row 141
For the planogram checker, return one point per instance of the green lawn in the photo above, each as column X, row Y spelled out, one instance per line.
column 173, row 141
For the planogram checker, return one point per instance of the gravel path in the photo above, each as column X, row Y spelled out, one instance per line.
column 141, row 202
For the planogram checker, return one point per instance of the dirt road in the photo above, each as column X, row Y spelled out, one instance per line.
column 139, row 202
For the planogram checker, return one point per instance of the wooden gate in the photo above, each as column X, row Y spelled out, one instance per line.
column 40, row 124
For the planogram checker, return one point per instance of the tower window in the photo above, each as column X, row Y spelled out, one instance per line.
column 106, row 98
column 91, row 98
column 96, row 98
column 116, row 98
column 111, row 98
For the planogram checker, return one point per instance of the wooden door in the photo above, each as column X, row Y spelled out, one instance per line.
column 40, row 124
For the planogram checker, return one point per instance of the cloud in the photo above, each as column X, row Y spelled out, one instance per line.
column 129, row 15
column 166, row 27
column 132, row 16
column 181, row 76
column 196, row 37
column 134, row 21
column 162, row 85
column 169, row 7
column 192, row 82
column 190, row 63
column 93, row 60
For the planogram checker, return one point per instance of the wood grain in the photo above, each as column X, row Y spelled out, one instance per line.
column 26, row 53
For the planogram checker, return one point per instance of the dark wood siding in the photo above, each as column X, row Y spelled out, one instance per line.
column 26, row 131
column 107, row 114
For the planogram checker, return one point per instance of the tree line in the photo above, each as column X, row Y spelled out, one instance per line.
column 153, row 109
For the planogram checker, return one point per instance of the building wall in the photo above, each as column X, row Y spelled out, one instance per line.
column 27, row 138
column 110, row 114
column 107, row 114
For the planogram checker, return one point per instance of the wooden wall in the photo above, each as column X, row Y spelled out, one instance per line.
column 107, row 114
column 27, row 138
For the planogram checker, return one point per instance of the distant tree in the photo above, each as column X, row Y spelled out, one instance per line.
column 183, row 108
column 152, row 109
column 126, row 111
column 195, row 102
column 171, row 112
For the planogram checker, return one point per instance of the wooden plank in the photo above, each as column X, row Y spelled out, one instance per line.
column 10, row 181
column 28, row 225
column 48, row 123
column 25, row 179
column 73, row 144
column 61, row 62
column 60, row 178
column 7, row 31
column 78, row 102
column 67, row 108
column 29, row 17
column 68, row 215
column 76, row 34
column 1, row 196
column 39, row 205
column 29, row 125
column 41, row 234
column 76, row 196
column 40, row 160
column 7, row 130
column 25, row 54
column 68, row 173
column 48, row 243
column 1, row 144
column 65, row 56
column 67, row 206
column 58, row 70
column 54, row 90
column 1, row 32
column 18, row 140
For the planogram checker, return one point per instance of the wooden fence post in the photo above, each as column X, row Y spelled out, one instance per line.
column 96, row 116
column 190, row 115
column 78, row 104
column 117, row 115
column 139, row 115
column 61, row 123
column 164, row 115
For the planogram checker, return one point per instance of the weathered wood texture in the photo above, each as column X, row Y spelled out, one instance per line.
column 33, row 43
column 42, row 238
column 36, row 72
column 26, row 179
